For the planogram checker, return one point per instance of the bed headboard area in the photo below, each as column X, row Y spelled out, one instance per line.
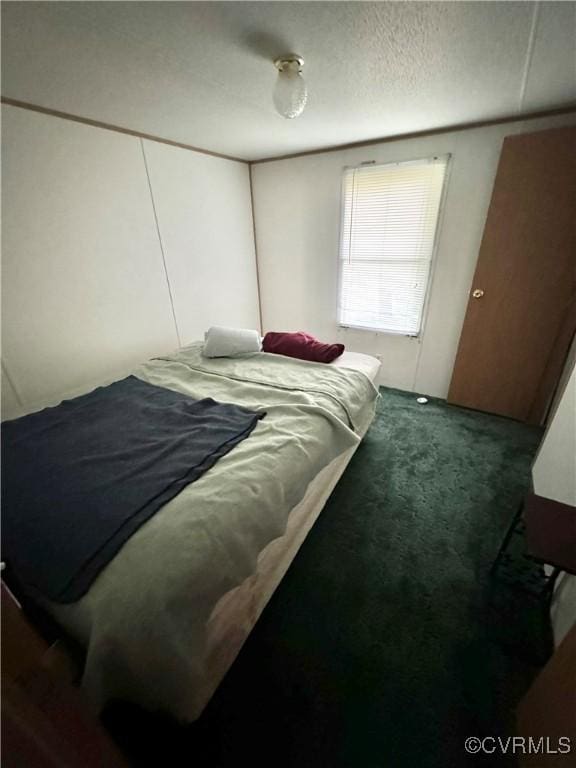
column 115, row 249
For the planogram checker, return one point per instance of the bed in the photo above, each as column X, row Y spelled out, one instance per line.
column 167, row 616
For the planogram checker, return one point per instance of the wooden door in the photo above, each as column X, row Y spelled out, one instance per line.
column 521, row 312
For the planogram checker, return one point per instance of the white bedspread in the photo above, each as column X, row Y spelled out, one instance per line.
column 143, row 621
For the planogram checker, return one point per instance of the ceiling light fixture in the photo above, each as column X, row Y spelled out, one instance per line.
column 290, row 93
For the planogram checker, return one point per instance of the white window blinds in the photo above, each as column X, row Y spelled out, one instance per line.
column 389, row 218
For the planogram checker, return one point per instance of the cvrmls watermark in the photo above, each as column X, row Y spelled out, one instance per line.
column 518, row 745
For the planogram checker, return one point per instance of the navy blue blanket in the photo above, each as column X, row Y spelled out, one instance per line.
column 79, row 479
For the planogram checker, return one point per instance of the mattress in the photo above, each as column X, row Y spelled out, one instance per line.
column 356, row 361
column 149, row 622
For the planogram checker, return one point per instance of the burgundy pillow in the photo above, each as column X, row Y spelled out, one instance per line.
column 302, row 346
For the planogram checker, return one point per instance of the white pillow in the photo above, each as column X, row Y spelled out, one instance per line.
column 230, row 342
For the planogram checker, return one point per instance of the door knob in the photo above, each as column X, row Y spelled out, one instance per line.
column 477, row 293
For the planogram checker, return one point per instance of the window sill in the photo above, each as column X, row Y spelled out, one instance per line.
column 379, row 331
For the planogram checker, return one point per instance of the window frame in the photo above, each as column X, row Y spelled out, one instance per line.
column 439, row 222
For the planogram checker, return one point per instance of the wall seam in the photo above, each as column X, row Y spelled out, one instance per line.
column 10, row 381
column 255, row 249
column 161, row 244
column 529, row 56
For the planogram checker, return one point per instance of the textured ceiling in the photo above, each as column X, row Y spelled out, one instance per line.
column 202, row 73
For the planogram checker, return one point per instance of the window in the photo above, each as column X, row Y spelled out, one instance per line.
column 389, row 220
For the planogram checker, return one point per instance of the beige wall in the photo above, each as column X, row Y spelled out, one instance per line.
column 204, row 214
column 554, row 471
column 554, row 476
column 297, row 212
column 93, row 254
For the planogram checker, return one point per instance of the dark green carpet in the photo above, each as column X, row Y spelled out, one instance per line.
column 375, row 650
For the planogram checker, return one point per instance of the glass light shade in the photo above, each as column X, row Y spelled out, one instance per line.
column 290, row 93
